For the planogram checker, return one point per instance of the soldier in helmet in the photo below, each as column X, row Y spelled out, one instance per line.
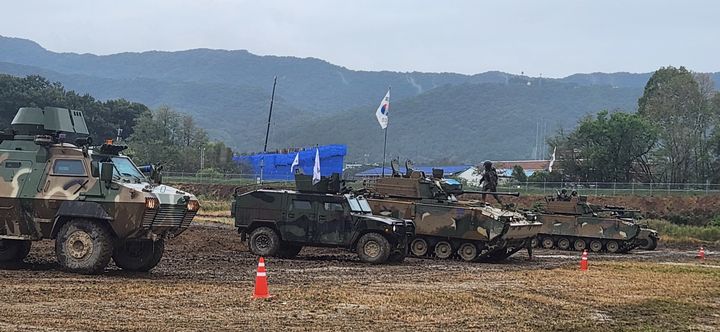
column 489, row 180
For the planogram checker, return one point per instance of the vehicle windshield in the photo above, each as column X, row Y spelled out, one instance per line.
column 125, row 167
column 358, row 204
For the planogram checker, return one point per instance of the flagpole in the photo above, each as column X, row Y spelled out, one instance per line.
column 385, row 141
column 267, row 132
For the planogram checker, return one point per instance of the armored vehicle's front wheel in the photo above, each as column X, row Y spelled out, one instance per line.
column 648, row 244
column 264, row 242
column 373, row 248
column 138, row 255
column 289, row 250
column 83, row 246
column 13, row 250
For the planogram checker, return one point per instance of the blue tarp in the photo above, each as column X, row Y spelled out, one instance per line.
column 277, row 165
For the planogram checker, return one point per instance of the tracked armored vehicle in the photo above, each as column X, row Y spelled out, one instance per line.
column 94, row 203
column 573, row 224
column 445, row 226
column 280, row 222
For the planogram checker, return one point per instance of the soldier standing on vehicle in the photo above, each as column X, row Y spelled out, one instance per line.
column 489, row 180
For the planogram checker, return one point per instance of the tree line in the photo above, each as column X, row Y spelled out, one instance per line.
column 673, row 137
column 160, row 136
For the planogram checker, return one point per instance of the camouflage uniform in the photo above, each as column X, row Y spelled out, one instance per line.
column 489, row 180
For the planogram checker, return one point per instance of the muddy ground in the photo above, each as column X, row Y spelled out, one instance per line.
column 205, row 280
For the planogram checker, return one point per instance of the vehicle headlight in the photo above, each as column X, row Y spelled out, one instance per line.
column 151, row 203
column 193, row 205
column 394, row 228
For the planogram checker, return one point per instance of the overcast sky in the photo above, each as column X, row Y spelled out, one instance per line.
column 552, row 38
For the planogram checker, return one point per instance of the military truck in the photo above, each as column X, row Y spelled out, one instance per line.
column 94, row 202
column 573, row 224
column 280, row 222
column 445, row 226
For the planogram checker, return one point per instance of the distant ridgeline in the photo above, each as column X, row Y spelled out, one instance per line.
column 277, row 164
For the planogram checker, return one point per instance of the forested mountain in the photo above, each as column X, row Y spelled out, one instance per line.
column 434, row 115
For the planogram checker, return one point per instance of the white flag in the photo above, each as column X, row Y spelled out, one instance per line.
column 295, row 162
column 382, row 111
column 316, row 168
column 552, row 160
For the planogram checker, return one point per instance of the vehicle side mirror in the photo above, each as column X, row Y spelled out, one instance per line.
column 95, row 169
column 106, row 172
column 156, row 174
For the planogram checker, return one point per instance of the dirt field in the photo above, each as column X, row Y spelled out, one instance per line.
column 206, row 278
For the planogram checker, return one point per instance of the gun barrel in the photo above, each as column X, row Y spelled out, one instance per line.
column 516, row 194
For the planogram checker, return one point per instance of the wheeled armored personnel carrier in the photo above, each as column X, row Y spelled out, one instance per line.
column 445, row 226
column 94, row 203
column 573, row 224
column 280, row 222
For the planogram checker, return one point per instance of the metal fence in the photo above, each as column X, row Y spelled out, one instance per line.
column 530, row 188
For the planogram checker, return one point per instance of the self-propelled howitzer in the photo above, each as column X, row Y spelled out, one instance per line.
column 446, row 226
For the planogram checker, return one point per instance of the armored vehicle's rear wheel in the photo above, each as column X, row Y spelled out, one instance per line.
column 443, row 250
column 468, row 251
column 83, row 246
column 579, row 245
column 612, row 246
column 289, row 250
column 564, row 244
column 264, row 242
column 595, row 245
column 139, row 255
column 373, row 248
column 13, row 250
column 419, row 247
column 547, row 243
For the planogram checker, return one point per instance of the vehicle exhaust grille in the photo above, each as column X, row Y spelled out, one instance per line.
column 168, row 216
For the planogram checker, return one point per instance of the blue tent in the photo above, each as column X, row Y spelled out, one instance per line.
column 277, row 165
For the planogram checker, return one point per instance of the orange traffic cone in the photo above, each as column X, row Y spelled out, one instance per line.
column 584, row 261
column 261, row 284
column 701, row 254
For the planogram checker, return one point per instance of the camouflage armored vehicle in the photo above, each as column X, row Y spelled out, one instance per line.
column 445, row 226
column 94, row 203
column 279, row 222
column 573, row 224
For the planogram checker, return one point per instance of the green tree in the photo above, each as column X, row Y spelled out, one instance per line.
column 608, row 147
column 518, row 174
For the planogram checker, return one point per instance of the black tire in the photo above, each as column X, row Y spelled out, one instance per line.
column 373, row 248
column 397, row 257
column 547, row 243
column 419, row 247
column 13, row 250
column 83, row 246
column 443, row 250
column 596, row 246
column 535, row 242
column 580, row 245
column 563, row 243
column 648, row 244
column 138, row 255
column 612, row 246
column 468, row 251
column 288, row 250
column 264, row 241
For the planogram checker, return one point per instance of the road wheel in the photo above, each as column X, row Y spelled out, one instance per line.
column 373, row 248
column 579, row 245
column 397, row 257
column 13, row 250
column 595, row 245
column 264, row 241
column 419, row 247
column 468, row 251
column 83, row 246
column 564, row 244
column 534, row 242
column 139, row 255
column 443, row 250
column 612, row 246
column 289, row 250
column 547, row 243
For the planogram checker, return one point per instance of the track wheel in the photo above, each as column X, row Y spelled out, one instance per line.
column 564, row 244
column 547, row 243
column 595, row 245
column 534, row 242
column 468, row 251
column 419, row 247
column 612, row 246
column 443, row 250
column 579, row 245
